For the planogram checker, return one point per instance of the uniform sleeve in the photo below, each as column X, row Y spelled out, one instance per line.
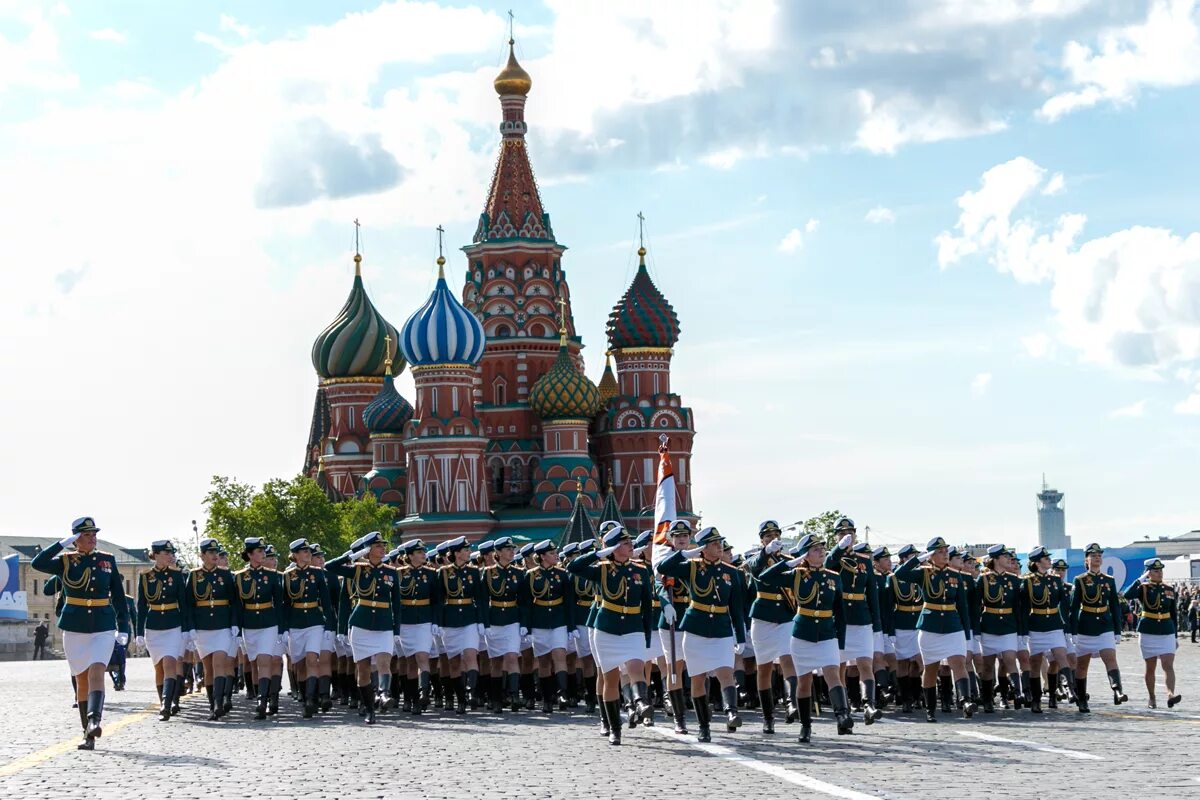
column 1132, row 592
column 570, row 599
column 647, row 606
column 1021, row 607
column 116, row 589
column 325, row 598
column 340, row 566
column 1114, row 608
column 396, row 604
column 525, row 599
column 872, row 597
column 1076, row 602
column 282, row 610
column 737, row 612
column 887, row 606
column 44, row 561
column 777, row 576
column 52, row 586
column 839, row 616
column 185, row 606
column 143, row 608
column 586, row 567
column 964, row 605
column 674, row 565
column 909, row 569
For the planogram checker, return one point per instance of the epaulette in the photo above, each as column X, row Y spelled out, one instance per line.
column 828, row 571
column 241, row 571
column 363, row 563
column 100, row 553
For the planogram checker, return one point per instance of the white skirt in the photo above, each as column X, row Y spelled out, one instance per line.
column 975, row 645
column 85, row 649
column 416, row 638
column 365, row 644
column 612, row 650
column 339, row 649
column 889, row 645
column 705, row 654
column 302, row 641
column 167, row 643
column 218, row 641
column 546, row 640
column 664, row 641
column 994, row 644
column 328, row 638
column 583, row 643
column 771, row 640
column 906, row 644
column 457, row 641
column 1157, row 644
column 503, row 639
column 1046, row 641
column 1092, row 645
column 1070, row 643
column 1023, row 643
column 860, row 643
column 262, row 642
column 936, row 647
column 879, row 642
column 811, row 656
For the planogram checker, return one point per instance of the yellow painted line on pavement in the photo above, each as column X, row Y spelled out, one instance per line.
column 41, row 756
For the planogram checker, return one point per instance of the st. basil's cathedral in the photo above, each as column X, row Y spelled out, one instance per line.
column 508, row 435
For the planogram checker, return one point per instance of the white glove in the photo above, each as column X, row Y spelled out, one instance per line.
column 341, row 637
column 606, row 552
column 481, row 629
column 693, row 553
column 795, row 562
column 773, row 546
column 122, row 639
column 283, row 639
column 572, row 635
column 357, row 554
column 845, row 541
column 235, row 631
column 189, row 641
column 434, row 630
column 524, row 632
column 139, row 641
column 68, row 541
column 668, row 612
column 396, row 639
column 924, row 557
column 738, row 648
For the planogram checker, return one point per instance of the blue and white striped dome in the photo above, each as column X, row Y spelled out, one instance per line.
column 442, row 331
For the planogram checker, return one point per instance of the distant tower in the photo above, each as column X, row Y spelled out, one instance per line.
column 1052, row 522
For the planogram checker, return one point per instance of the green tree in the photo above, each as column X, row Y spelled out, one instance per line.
column 822, row 526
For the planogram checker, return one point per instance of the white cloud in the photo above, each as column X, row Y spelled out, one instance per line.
column 1128, row 299
column 228, row 23
column 1037, row 345
column 1161, row 51
column 880, row 214
column 109, row 35
column 1055, row 185
column 793, row 240
column 980, row 383
column 32, row 59
column 1136, row 410
column 1191, row 405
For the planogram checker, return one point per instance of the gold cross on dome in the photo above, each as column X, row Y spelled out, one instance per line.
column 562, row 312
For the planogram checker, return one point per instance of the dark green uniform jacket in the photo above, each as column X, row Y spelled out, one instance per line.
column 1158, row 607
column 260, row 593
column 502, row 584
column 1001, row 603
column 1041, row 603
column 464, row 597
column 374, row 593
column 770, row 604
column 307, row 600
column 858, row 596
column 717, row 593
column 93, row 592
column 622, row 593
column 419, row 596
column 906, row 603
column 211, row 599
column 1095, row 605
column 585, row 598
column 547, row 599
column 162, row 601
column 944, row 593
column 885, row 602
column 819, row 605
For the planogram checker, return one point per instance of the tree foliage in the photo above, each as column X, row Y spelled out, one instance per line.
column 822, row 526
column 287, row 509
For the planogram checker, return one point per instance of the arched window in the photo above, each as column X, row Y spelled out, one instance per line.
column 537, row 329
column 503, row 331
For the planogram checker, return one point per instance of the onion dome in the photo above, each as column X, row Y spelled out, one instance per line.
column 564, row 392
column 512, row 79
column 353, row 345
column 643, row 317
column 608, row 381
column 442, row 331
column 389, row 412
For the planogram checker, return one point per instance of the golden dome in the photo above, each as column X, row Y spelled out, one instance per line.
column 512, row 79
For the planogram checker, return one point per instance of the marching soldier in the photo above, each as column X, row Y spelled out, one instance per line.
column 93, row 608
column 212, row 606
column 585, row 598
column 906, row 611
column 307, row 605
column 1042, row 602
column 502, row 626
column 819, row 628
column 547, row 604
column 161, row 622
column 861, row 611
column 329, row 632
column 260, row 595
column 885, row 633
column 1156, row 627
column 374, row 621
column 771, row 616
column 463, row 615
column 1000, row 596
column 673, row 603
column 418, row 601
column 622, row 620
column 713, row 625
column 1096, row 623
column 944, row 618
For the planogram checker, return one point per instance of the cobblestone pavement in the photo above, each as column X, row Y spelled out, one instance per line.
column 1116, row 751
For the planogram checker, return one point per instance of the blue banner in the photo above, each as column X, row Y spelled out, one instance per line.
column 1124, row 564
column 12, row 600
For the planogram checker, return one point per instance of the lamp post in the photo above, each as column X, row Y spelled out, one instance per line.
column 196, row 534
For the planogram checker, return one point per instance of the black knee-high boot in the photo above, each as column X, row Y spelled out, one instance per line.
column 703, row 717
column 604, row 723
column 870, row 713
column 423, row 687
column 805, row 720
column 310, row 696
column 793, row 708
column 276, row 685
column 1035, row 694
column 560, row 683
column 963, row 686
column 986, row 685
column 212, row 707
column 324, row 683
column 767, row 701
column 220, row 683
column 95, row 710
column 930, row 693
column 264, row 695
column 678, row 710
column 87, row 743
column 366, row 696
column 1114, row 681
column 614, row 720
column 733, row 719
column 840, row 700
column 946, row 689
column 513, row 688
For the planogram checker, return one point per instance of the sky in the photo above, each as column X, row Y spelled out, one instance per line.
column 923, row 251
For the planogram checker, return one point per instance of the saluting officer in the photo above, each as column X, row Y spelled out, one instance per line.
column 1096, row 623
column 329, row 633
column 93, row 608
column 307, row 605
column 547, row 604
column 161, row 622
column 861, row 610
column 623, row 619
column 1000, row 597
column 885, row 630
column 260, row 594
column 1156, row 627
column 771, row 615
column 374, row 621
column 585, row 597
column 906, row 611
column 419, row 599
column 213, row 608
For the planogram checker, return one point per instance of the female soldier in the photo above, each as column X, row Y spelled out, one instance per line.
column 1042, row 603
column 418, row 601
column 374, row 621
column 260, row 595
column 307, row 605
column 771, row 615
column 161, row 602
column 502, row 626
column 1156, row 627
column 944, row 617
column 547, row 603
column 1000, row 595
column 214, row 621
column 1096, row 623
column 326, row 658
column 819, row 627
column 94, row 605
column 463, row 611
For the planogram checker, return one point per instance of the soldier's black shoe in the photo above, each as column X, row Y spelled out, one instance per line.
column 733, row 721
column 214, row 714
column 1119, row 697
column 632, row 717
column 1052, row 700
column 1173, row 700
column 612, row 721
column 164, row 713
column 646, row 712
column 260, row 711
column 969, row 708
column 870, row 713
column 793, row 712
column 310, row 708
column 87, row 744
column 273, row 707
column 805, row 734
column 930, row 704
column 94, row 731
column 768, row 725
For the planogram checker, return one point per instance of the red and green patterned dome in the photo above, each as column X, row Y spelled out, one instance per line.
column 389, row 412
column 643, row 317
column 564, row 392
